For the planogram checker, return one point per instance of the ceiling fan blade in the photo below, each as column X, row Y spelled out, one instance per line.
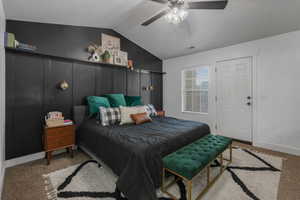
column 156, row 17
column 160, row 1
column 207, row 5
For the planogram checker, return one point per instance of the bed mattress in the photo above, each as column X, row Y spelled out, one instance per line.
column 135, row 152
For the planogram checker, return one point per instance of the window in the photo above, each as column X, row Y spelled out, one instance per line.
column 195, row 90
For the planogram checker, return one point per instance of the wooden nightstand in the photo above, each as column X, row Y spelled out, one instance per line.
column 55, row 138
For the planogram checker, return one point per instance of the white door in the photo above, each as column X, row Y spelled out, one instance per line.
column 234, row 98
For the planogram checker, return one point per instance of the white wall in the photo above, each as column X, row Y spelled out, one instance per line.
column 2, row 93
column 276, row 88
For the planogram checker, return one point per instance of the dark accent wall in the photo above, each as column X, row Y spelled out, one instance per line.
column 32, row 79
column 72, row 41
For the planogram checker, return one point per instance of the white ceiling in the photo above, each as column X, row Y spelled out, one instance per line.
column 243, row 20
column 94, row 13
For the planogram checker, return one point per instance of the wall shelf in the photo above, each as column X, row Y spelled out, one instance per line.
column 15, row 50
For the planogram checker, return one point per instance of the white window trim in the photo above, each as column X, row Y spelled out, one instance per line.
column 182, row 90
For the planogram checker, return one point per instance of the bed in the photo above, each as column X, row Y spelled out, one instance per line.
column 135, row 152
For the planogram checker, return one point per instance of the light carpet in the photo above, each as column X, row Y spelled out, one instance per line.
column 251, row 175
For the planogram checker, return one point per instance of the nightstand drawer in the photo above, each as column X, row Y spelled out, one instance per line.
column 58, row 142
column 60, row 132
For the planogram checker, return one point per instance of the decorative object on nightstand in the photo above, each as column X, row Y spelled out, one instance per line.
column 60, row 137
column 54, row 119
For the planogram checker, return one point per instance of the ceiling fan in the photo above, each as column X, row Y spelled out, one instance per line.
column 177, row 9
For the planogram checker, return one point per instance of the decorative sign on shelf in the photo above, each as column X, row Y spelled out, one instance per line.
column 110, row 42
column 110, row 52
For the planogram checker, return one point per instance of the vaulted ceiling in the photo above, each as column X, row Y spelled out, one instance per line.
column 241, row 21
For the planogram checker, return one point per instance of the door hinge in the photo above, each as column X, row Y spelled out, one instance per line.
column 216, row 98
column 216, row 127
column 216, row 70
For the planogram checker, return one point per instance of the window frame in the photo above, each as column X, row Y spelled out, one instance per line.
column 183, row 89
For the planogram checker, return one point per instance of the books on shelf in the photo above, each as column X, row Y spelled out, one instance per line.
column 11, row 42
column 68, row 122
column 58, row 122
column 26, row 47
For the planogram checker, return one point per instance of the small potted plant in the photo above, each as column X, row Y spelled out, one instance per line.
column 106, row 57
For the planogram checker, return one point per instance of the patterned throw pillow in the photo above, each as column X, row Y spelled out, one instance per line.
column 110, row 116
column 151, row 110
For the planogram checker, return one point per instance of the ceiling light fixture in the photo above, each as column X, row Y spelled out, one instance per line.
column 176, row 15
column 176, row 11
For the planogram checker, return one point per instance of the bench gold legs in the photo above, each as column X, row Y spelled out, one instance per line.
column 208, row 175
column 230, row 154
column 190, row 185
column 210, row 181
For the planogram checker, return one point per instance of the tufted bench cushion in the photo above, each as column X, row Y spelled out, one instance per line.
column 191, row 159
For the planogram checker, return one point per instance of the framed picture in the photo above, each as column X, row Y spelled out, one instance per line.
column 118, row 60
column 110, row 42
column 124, row 57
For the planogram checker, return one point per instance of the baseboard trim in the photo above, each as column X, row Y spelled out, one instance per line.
column 2, row 175
column 279, row 148
column 24, row 159
column 29, row 158
column 242, row 141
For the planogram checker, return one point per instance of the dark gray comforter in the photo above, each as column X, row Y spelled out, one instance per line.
column 134, row 152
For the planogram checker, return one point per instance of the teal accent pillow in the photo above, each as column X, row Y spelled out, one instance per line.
column 95, row 102
column 133, row 100
column 116, row 100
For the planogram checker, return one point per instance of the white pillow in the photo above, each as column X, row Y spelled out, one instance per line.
column 127, row 111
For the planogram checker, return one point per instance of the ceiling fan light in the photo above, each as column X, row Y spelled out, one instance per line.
column 182, row 14
column 176, row 15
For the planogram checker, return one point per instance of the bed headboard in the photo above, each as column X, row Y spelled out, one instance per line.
column 79, row 114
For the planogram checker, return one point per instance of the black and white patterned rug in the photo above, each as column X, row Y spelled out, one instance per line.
column 252, row 175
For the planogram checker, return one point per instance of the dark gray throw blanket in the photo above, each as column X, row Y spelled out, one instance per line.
column 135, row 152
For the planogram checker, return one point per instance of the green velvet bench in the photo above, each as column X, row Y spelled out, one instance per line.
column 190, row 160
